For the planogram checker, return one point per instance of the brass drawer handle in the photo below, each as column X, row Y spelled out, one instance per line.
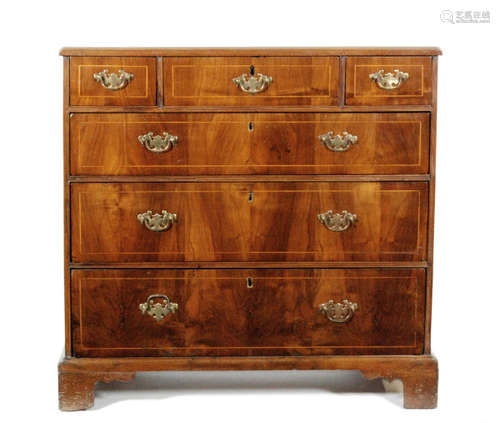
column 252, row 84
column 157, row 222
column 157, row 143
column 113, row 81
column 389, row 81
column 338, row 142
column 338, row 312
column 158, row 310
column 337, row 222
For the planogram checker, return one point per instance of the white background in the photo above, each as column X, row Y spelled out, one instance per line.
column 467, row 281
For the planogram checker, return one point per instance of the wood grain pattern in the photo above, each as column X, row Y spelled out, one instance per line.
column 219, row 222
column 221, row 238
column 76, row 389
column 250, row 109
column 361, row 90
column 219, row 315
column 432, row 201
column 66, row 207
column 252, row 51
column 419, row 373
column 208, row 81
column 255, row 265
column 252, row 178
column 85, row 91
column 212, row 144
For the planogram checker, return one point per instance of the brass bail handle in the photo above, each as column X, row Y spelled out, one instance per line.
column 113, row 81
column 339, row 142
column 252, row 84
column 337, row 222
column 157, row 222
column 389, row 81
column 157, row 143
column 158, row 310
column 338, row 312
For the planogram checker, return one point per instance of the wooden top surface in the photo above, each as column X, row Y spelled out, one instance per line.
column 272, row 51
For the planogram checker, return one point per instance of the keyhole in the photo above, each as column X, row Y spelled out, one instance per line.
column 250, row 126
column 250, row 197
column 249, row 282
column 252, row 70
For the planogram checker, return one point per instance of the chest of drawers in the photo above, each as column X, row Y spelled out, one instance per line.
column 248, row 209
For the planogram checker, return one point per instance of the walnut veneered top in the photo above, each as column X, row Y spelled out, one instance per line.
column 273, row 51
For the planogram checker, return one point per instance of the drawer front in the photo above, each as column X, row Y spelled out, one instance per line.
column 228, row 81
column 368, row 81
column 218, row 312
column 113, row 81
column 242, row 143
column 384, row 221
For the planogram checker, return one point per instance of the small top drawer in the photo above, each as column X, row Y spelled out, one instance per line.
column 388, row 80
column 243, row 81
column 113, row 81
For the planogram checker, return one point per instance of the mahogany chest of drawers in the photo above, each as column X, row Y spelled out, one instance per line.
column 248, row 209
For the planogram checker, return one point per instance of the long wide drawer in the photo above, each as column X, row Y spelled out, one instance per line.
column 243, row 143
column 238, row 81
column 247, row 312
column 265, row 221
